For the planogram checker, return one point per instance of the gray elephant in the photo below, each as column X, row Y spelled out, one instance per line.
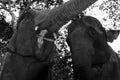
column 88, row 42
column 27, row 61
column 111, row 69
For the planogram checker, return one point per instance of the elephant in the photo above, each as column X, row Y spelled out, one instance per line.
column 90, row 51
column 111, row 69
column 39, row 64
column 28, row 61
column 27, row 58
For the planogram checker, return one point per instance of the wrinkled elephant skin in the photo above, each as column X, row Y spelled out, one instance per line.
column 27, row 61
column 111, row 70
column 24, row 42
column 88, row 43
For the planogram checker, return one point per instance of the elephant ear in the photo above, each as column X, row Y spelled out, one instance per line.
column 93, row 23
column 112, row 35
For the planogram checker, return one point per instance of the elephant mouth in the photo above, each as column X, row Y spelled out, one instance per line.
column 44, row 45
column 42, row 37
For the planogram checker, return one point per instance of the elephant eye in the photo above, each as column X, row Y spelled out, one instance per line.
column 92, row 31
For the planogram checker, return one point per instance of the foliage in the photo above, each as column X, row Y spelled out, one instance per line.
column 107, row 11
column 3, row 54
column 62, row 69
column 5, row 29
column 113, row 10
column 14, row 8
column 5, row 34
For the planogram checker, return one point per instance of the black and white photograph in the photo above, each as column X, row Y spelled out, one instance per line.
column 59, row 40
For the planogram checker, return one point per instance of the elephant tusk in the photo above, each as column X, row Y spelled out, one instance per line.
column 47, row 39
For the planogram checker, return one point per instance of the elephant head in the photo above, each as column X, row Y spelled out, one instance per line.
column 88, row 43
column 33, row 58
column 25, row 40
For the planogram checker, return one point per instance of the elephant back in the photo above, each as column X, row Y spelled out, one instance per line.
column 111, row 69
